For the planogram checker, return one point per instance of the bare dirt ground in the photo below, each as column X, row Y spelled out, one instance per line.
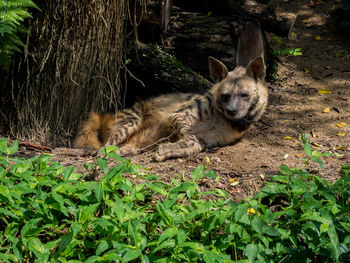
column 295, row 107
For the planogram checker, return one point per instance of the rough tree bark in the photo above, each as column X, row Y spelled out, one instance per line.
column 71, row 66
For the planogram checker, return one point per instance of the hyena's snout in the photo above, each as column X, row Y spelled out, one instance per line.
column 236, row 109
column 231, row 110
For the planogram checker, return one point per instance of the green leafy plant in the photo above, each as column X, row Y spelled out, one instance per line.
column 51, row 213
column 12, row 15
column 169, row 62
column 313, row 156
column 282, row 51
column 287, row 52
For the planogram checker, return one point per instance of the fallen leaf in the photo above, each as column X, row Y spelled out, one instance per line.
column 232, row 180
column 341, row 124
column 328, row 67
column 337, row 55
column 209, row 13
column 318, row 37
column 318, row 2
column 325, row 110
column 207, row 159
column 310, row 98
column 235, row 183
column 313, row 134
column 298, row 154
column 286, row 1
column 341, row 134
column 306, row 71
column 294, row 34
column 324, row 91
column 288, row 138
column 306, row 21
column 286, row 120
column 342, row 148
column 262, row 176
column 316, row 144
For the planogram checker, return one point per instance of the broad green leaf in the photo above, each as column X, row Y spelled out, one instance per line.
column 257, row 223
column 13, row 148
column 98, row 192
column 76, row 227
column 181, row 236
column 241, row 214
column 157, row 189
column 274, row 188
column 251, row 251
column 307, row 148
column 166, row 215
column 344, row 253
column 87, row 212
column 194, row 245
column 209, row 257
column 210, row 223
column 118, row 208
column 4, row 257
column 334, row 241
column 269, row 218
column 103, row 164
column 170, row 243
column 198, row 173
column 271, row 231
column 211, row 174
column 35, row 245
column 318, row 161
column 109, row 149
column 111, row 257
column 102, row 246
column 92, row 259
column 168, row 233
column 65, row 241
column 5, row 192
column 281, row 178
column 68, row 171
column 285, row 170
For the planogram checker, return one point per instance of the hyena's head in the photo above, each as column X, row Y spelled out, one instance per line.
column 241, row 93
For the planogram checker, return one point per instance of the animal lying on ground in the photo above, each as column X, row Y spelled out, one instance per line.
column 180, row 125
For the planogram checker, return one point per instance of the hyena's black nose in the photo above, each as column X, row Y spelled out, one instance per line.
column 231, row 111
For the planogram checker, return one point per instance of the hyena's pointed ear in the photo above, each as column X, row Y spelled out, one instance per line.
column 256, row 69
column 218, row 70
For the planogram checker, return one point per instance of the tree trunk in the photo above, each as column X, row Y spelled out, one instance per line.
column 72, row 66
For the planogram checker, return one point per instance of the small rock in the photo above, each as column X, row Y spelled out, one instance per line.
column 216, row 159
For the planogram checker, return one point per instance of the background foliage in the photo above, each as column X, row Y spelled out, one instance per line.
column 51, row 213
column 12, row 15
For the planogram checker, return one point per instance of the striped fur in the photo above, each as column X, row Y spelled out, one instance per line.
column 180, row 125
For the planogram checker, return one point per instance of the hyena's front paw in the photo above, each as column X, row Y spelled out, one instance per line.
column 182, row 148
column 127, row 150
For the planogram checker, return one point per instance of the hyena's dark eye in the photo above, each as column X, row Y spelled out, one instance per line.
column 245, row 96
column 225, row 97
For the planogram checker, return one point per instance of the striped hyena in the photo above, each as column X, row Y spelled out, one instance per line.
column 179, row 125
